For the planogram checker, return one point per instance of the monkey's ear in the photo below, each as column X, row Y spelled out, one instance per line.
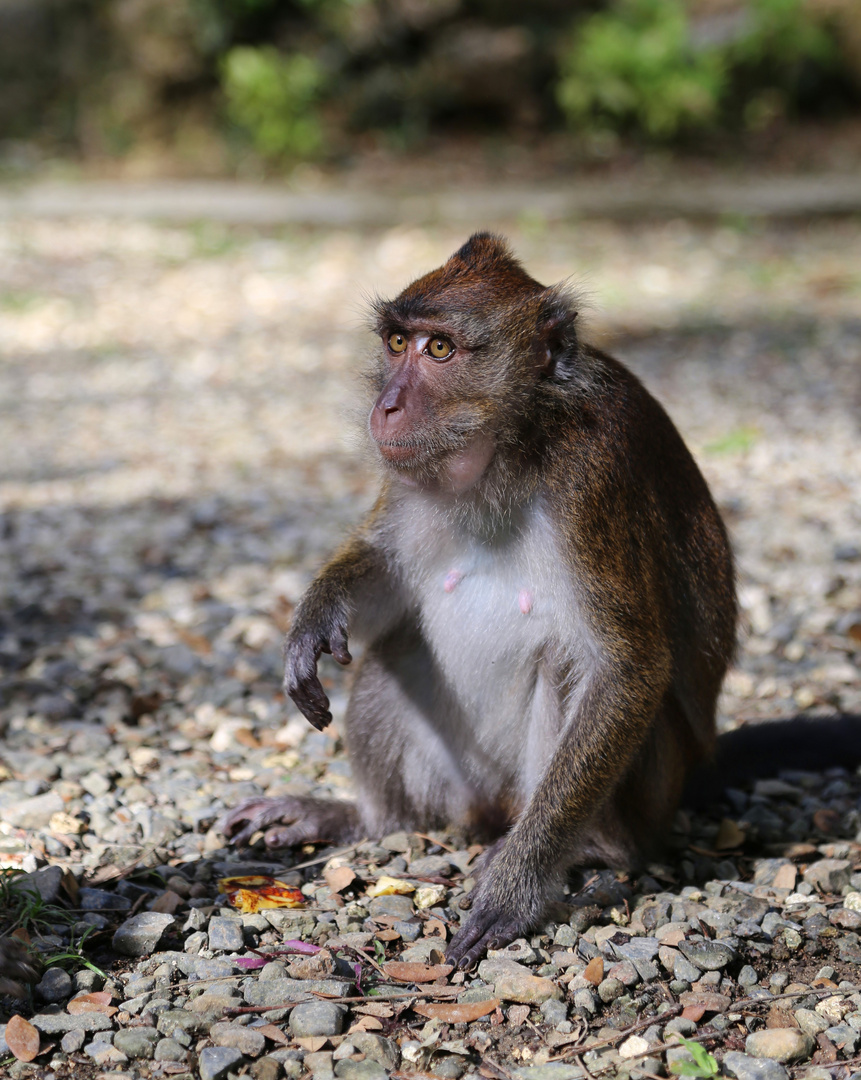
column 557, row 345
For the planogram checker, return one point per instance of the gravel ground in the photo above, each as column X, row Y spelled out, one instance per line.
column 176, row 408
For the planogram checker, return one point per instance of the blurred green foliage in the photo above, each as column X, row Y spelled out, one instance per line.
column 639, row 67
column 291, row 79
column 273, row 96
column 634, row 66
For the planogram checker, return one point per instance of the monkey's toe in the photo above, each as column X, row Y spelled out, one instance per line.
column 483, row 931
column 243, row 821
column 296, row 820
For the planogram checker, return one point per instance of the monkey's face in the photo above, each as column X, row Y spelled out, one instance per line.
column 463, row 350
column 430, row 420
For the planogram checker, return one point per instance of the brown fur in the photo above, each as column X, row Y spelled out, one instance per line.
column 525, row 448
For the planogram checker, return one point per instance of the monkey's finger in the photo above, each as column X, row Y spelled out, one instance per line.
column 338, row 641
column 251, row 816
column 310, row 699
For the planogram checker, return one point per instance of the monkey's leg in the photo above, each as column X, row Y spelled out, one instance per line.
column 402, row 737
column 398, row 730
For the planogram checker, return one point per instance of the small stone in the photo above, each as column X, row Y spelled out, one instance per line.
column 351, row 1069
column 244, row 1039
column 744, row 1067
column 102, row 900
column 610, row 989
column 225, row 935
column 852, row 901
column 215, row 1062
column 829, row 875
column 276, row 991
column 448, row 1066
column 513, row 982
column 55, row 1023
column 786, row 1045
column 566, row 936
column 585, row 1000
column 33, row 813
column 137, row 1042
column 707, row 955
column 139, row 935
column 810, row 1022
column 270, row 1068
column 633, row 1047
column 680, row 1025
column 376, row 1047
column 104, row 1054
column 55, row 986
column 317, row 1018
column 72, row 1041
column 554, row 1012
column 683, row 969
column 747, row 976
column 169, row 1050
column 320, row 1065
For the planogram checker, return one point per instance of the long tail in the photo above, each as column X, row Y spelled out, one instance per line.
column 763, row 749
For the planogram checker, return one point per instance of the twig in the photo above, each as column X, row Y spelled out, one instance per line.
column 436, row 992
column 325, row 858
column 633, row 1029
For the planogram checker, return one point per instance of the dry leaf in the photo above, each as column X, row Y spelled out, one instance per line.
column 416, row 973
column 694, row 1013
column 373, row 1008
column 274, row 1034
column 312, row 1043
column 518, row 1014
column 257, row 892
column 366, row 1023
column 389, row 886
column 730, row 835
column 71, row 887
column 827, row 821
column 339, row 878
column 594, row 970
column 456, row 1012
column 167, row 903
column 785, row 877
column 387, row 935
column 435, row 928
column 22, row 934
column 98, row 1002
column 780, row 1018
column 22, row 1038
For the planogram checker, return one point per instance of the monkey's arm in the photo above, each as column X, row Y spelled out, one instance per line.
column 354, row 590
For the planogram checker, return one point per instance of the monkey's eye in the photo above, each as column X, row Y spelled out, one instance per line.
column 397, row 343
column 440, row 349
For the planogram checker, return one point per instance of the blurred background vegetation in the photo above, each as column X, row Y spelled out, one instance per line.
column 233, row 86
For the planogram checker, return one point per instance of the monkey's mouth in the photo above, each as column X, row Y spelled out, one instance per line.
column 398, row 453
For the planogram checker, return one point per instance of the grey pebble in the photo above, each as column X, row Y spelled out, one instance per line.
column 54, row 986
column 137, row 1042
column 554, row 1012
column 225, row 935
column 169, row 1050
column 215, row 1062
column 72, row 1041
column 744, row 1067
column 360, row 1070
column 245, row 1039
column 139, row 935
column 102, row 900
column 318, row 1018
column 55, row 1023
column 707, row 955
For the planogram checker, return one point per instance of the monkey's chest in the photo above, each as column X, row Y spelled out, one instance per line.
column 489, row 611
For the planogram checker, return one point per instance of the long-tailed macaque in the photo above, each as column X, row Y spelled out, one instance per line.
column 544, row 588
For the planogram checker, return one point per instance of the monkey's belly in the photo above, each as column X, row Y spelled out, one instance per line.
column 492, row 630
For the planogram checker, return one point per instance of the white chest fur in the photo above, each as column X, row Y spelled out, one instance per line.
column 497, row 615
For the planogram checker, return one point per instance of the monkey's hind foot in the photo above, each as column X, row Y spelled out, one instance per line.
column 16, row 968
column 295, row 820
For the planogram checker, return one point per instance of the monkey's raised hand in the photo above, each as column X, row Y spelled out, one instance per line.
column 302, row 650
